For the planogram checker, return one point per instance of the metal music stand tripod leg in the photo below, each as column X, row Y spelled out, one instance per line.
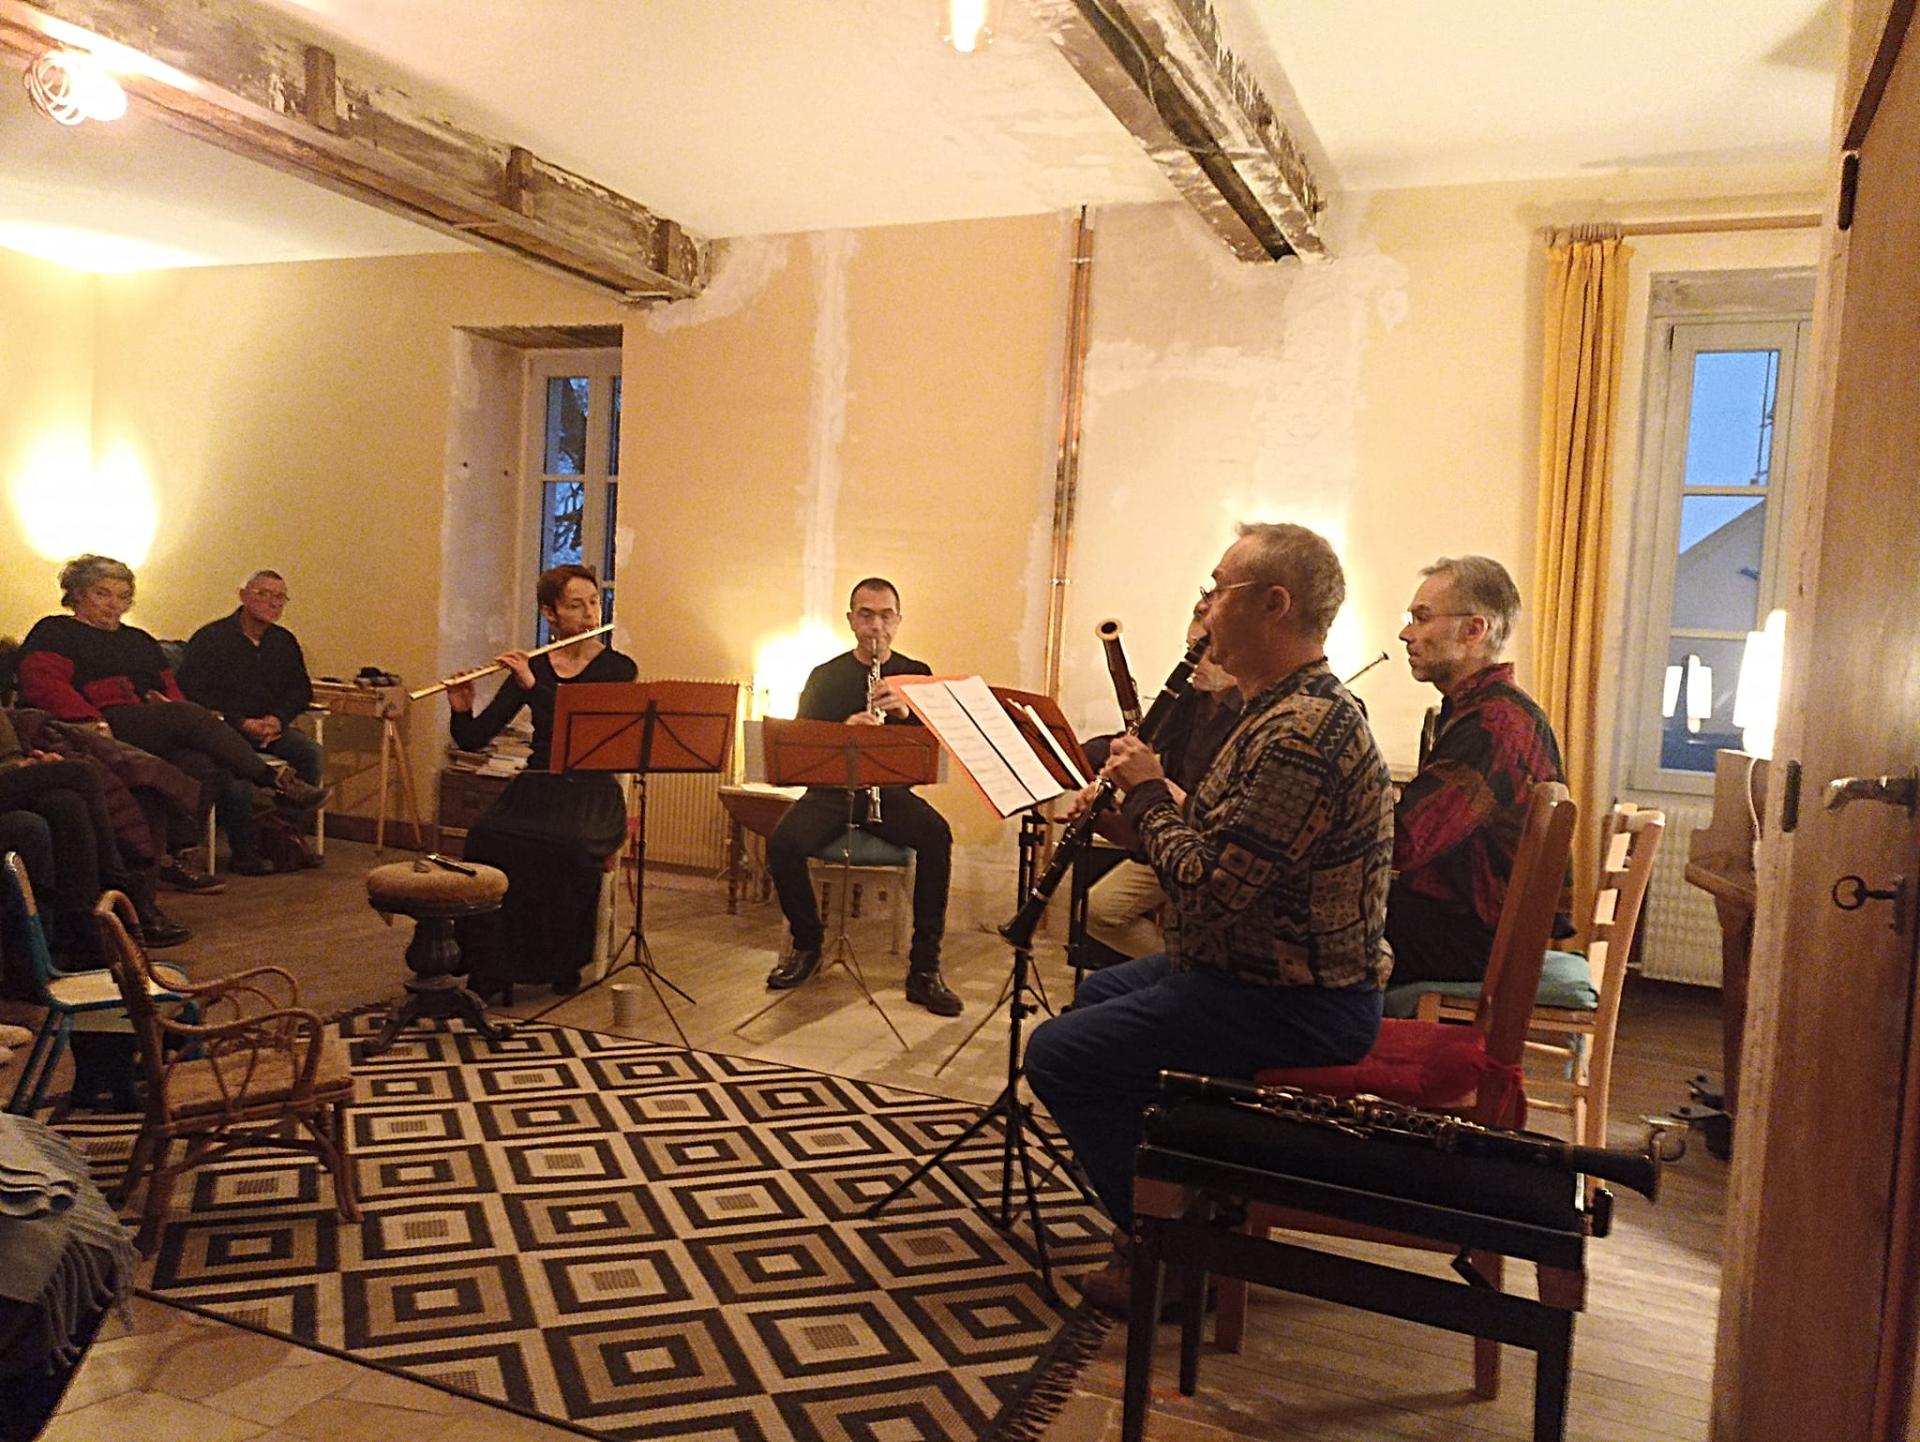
column 636, row 933
column 1014, row 1115
column 839, row 952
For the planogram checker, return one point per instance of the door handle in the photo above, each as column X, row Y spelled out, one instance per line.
column 1901, row 791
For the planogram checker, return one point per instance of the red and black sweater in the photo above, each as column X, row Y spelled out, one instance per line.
column 76, row 671
column 1458, row 822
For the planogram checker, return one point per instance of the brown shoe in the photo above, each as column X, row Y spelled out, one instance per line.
column 297, row 793
column 1111, row 1289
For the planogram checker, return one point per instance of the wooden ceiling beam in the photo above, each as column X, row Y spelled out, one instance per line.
column 231, row 74
column 1163, row 69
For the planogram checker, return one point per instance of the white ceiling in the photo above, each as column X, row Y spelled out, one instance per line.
column 738, row 117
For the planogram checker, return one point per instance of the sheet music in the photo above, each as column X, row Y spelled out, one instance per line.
column 977, row 732
column 1058, row 750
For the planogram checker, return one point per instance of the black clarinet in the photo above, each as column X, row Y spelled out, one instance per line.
column 1020, row 929
column 1380, row 1120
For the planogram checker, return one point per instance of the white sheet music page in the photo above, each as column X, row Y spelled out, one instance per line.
column 977, row 732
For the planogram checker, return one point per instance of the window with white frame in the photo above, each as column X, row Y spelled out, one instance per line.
column 1719, row 420
column 573, row 461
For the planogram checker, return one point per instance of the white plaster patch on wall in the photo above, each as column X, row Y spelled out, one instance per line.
column 833, row 253
column 741, row 271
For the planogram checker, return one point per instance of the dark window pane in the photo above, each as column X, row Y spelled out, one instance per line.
column 1730, row 423
column 562, row 510
column 1700, row 681
column 566, row 452
column 613, row 517
column 1716, row 579
column 613, row 433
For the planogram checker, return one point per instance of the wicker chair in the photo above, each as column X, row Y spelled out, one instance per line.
column 256, row 1071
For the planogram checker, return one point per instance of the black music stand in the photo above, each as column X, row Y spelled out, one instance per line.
column 1012, row 1111
column 637, row 728
column 855, row 758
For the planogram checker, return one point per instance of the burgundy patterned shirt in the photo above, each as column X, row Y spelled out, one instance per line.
column 1458, row 821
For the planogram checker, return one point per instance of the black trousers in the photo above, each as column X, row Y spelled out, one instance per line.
column 1434, row 942
column 820, row 816
column 68, row 797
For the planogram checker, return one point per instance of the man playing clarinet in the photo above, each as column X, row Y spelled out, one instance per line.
column 1275, row 875
column 854, row 687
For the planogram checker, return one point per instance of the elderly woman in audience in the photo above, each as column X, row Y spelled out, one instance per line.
column 92, row 667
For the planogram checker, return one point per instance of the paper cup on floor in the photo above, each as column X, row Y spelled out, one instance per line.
column 628, row 1001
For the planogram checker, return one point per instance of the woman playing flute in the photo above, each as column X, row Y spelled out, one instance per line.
column 551, row 833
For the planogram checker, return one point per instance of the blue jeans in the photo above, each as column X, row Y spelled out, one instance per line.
column 1097, row 1066
column 301, row 752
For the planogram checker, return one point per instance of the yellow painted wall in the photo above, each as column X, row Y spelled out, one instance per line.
column 46, row 417
column 880, row 401
column 295, row 416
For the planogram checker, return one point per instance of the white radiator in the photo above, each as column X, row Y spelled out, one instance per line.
column 1681, row 933
column 685, row 823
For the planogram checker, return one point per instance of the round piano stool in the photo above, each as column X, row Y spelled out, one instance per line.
column 435, row 898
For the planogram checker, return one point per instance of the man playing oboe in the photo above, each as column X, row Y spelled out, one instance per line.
column 845, row 689
column 1276, row 879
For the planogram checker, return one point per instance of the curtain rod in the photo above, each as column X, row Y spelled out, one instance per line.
column 1716, row 224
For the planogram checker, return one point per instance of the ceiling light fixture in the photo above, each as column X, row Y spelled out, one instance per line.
column 967, row 25
column 69, row 86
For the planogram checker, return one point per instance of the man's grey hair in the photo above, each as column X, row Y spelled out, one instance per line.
column 1303, row 561
column 82, row 571
column 263, row 571
column 1482, row 587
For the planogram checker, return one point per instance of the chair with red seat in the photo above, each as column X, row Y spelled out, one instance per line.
column 1471, row 1070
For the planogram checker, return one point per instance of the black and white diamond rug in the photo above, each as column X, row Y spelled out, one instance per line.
column 642, row 1242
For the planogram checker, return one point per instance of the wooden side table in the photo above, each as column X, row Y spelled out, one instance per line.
column 464, row 795
column 757, row 808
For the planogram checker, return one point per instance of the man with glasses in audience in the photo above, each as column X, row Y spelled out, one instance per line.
column 1458, row 821
column 247, row 668
column 842, row 690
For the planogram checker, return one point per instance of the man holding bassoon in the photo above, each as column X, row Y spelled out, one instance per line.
column 1276, row 879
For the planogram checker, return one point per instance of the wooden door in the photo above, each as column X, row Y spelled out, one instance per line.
column 1816, row 1335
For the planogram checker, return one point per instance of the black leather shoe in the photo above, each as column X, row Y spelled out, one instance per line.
column 160, row 930
column 249, row 863
column 794, row 969
column 925, row 988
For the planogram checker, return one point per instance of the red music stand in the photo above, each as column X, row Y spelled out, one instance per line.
column 856, row 759
column 638, row 728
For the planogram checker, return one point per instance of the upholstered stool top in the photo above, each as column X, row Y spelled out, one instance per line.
column 419, row 888
column 868, row 850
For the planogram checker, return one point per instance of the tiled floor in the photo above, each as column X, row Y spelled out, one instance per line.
column 1643, row 1359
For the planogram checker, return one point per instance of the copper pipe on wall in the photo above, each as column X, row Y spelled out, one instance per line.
column 1066, row 468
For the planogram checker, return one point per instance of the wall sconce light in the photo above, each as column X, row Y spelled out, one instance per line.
column 1756, row 698
column 69, row 86
column 968, row 25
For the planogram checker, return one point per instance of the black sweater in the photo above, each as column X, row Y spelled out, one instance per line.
column 473, row 730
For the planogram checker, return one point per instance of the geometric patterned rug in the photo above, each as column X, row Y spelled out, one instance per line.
column 643, row 1242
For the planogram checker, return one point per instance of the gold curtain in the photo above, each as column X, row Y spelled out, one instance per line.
column 1580, row 390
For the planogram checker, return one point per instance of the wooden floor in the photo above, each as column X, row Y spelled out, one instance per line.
column 1642, row 1352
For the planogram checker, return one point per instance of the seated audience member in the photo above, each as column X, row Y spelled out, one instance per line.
column 1457, row 822
column 91, row 667
column 550, row 832
column 1276, row 878
column 248, row 668
column 1121, row 905
column 54, row 813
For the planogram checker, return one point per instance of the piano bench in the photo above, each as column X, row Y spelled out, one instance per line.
column 1203, row 1161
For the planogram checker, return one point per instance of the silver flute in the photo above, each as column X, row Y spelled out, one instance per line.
column 879, row 714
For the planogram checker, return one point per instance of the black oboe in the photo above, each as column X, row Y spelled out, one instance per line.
column 1020, row 929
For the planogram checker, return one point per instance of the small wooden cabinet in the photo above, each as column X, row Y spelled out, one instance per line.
column 463, row 796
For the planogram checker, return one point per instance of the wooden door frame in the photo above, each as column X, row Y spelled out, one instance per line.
column 1773, row 1378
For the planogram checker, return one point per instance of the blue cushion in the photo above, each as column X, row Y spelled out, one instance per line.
column 1564, row 983
column 868, row 850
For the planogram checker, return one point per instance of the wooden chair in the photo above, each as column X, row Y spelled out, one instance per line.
column 74, row 1000
column 1568, row 1058
column 257, row 1070
column 1472, row 1071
